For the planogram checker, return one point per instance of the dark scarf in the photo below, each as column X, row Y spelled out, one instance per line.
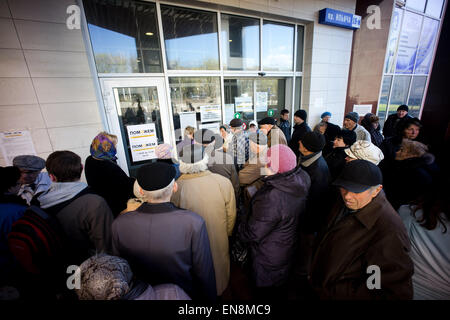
column 137, row 288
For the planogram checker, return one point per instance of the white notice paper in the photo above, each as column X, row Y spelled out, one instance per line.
column 143, row 141
column 362, row 109
column 188, row 119
column 261, row 101
column 210, row 113
column 243, row 104
column 214, row 127
column 229, row 113
column 16, row 143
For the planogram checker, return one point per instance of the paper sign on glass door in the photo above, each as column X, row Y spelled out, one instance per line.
column 143, row 141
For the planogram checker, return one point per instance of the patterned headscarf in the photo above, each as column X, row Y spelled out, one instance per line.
column 103, row 148
column 104, row 277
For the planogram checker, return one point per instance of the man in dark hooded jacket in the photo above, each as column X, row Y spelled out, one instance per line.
column 270, row 229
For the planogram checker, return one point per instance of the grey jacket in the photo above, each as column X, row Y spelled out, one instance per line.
column 166, row 244
column 86, row 221
column 222, row 163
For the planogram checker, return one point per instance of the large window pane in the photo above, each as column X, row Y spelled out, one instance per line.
column 418, row 5
column 239, row 98
column 409, row 39
column 124, row 36
column 300, row 39
column 397, row 15
column 426, row 46
column 190, row 38
column 399, row 93
column 274, row 90
column 278, row 46
column 190, row 98
column 384, row 98
column 416, row 95
column 434, row 8
column 240, row 43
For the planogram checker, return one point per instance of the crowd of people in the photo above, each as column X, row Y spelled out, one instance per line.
column 273, row 212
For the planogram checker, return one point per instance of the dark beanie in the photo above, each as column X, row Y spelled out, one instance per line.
column 155, row 176
column 403, row 107
column 267, row 120
column 349, row 136
column 352, row 116
column 301, row 114
column 313, row 141
column 204, row 136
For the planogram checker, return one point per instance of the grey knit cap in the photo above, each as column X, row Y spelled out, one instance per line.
column 104, row 277
column 29, row 162
column 352, row 116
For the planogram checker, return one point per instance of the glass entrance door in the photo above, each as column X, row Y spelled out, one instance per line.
column 137, row 113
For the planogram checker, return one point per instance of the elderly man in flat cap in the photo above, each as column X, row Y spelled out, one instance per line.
column 274, row 134
column 32, row 180
column 163, row 243
column 239, row 145
column 363, row 252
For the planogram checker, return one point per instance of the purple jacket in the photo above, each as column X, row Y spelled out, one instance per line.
column 272, row 225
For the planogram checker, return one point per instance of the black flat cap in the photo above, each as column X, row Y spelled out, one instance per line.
column 267, row 120
column 358, row 176
column 204, row 136
column 235, row 123
column 155, row 176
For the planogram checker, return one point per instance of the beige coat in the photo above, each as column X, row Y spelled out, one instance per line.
column 276, row 136
column 212, row 197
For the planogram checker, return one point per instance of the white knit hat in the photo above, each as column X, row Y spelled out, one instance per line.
column 365, row 150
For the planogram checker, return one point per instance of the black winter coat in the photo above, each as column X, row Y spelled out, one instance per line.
column 108, row 180
column 336, row 161
column 297, row 135
column 318, row 204
column 390, row 126
column 272, row 224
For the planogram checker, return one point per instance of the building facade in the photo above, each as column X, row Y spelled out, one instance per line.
column 160, row 66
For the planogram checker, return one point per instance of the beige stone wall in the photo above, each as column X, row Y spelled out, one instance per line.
column 45, row 81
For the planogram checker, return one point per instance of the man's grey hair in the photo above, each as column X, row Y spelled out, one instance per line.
column 372, row 189
column 158, row 195
column 104, row 277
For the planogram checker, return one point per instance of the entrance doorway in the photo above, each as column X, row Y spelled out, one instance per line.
column 136, row 105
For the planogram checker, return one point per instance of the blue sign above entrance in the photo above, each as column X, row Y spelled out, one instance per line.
column 339, row 19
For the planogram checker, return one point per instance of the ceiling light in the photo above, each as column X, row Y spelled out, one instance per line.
column 149, row 33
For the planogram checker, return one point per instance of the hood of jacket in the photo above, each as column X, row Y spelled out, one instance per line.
column 295, row 182
column 60, row 192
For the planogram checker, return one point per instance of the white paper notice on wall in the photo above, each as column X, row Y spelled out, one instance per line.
column 214, row 127
column 16, row 143
column 362, row 109
column 243, row 104
column 210, row 113
column 188, row 119
column 229, row 113
column 261, row 101
column 143, row 141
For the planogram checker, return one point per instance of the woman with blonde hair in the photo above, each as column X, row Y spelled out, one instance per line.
column 104, row 176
